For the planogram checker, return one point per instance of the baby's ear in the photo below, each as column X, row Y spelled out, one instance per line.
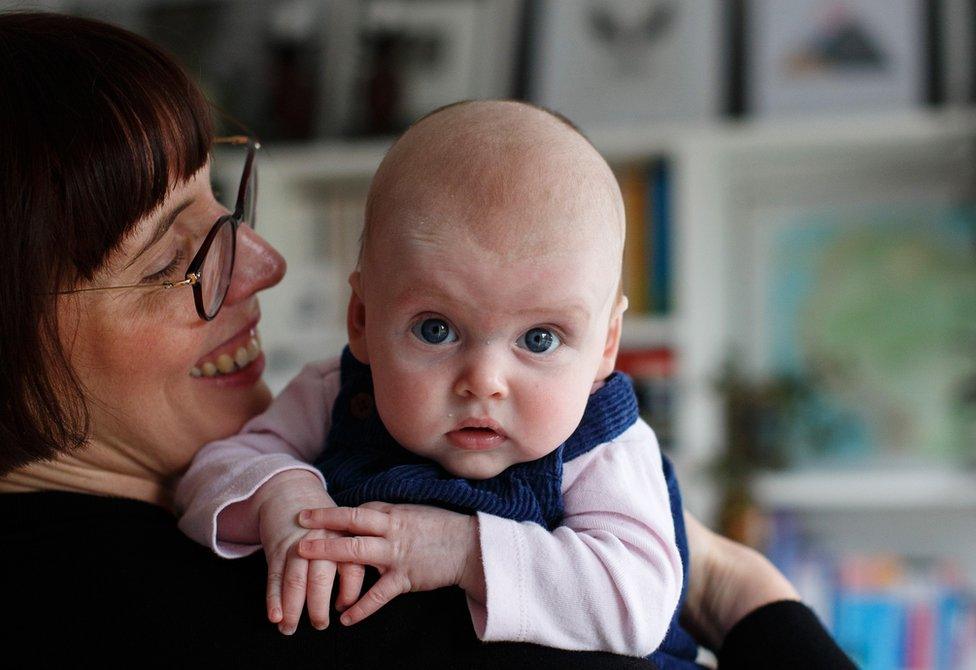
column 612, row 344
column 356, row 319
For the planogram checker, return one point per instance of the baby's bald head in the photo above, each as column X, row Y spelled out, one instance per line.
column 464, row 167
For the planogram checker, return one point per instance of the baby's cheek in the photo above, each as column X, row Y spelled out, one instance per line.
column 551, row 419
column 404, row 406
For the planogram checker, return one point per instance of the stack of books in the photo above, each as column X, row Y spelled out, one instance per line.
column 887, row 612
column 646, row 190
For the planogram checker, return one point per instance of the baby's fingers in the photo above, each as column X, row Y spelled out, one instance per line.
column 294, row 583
column 386, row 589
column 272, row 596
column 321, row 575
column 351, row 577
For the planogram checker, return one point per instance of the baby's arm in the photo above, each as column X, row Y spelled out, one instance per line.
column 609, row 578
column 212, row 496
column 249, row 488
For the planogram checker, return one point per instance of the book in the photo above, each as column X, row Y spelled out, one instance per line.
column 652, row 370
column 885, row 611
column 635, row 279
column 659, row 249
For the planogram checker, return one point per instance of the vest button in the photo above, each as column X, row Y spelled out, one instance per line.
column 361, row 405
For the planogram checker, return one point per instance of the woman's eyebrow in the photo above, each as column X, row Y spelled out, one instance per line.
column 164, row 224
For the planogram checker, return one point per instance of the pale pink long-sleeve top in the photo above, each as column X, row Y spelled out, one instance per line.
column 607, row 579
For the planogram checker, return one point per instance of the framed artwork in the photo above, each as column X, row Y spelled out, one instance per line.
column 837, row 56
column 414, row 56
column 603, row 62
column 958, row 52
column 857, row 286
column 873, row 304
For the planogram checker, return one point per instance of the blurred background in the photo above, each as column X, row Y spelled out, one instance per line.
column 801, row 247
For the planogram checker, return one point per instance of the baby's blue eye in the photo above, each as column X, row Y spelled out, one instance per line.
column 539, row 340
column 434, row 331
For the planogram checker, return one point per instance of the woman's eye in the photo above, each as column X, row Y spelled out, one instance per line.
column 539, row 340
column 434, row 331
column 167, row 271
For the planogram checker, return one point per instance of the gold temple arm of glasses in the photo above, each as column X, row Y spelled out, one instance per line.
column 190, row 280
column 237, row 139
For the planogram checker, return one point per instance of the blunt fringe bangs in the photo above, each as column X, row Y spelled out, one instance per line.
column 96, row 125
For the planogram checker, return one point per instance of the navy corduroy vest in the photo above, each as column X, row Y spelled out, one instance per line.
column 361, row 462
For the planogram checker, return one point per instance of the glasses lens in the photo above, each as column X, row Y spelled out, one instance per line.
column 217, row 268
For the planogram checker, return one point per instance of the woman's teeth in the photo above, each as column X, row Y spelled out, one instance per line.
column 225, row 363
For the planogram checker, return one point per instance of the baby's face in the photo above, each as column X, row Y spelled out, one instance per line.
column 483, row 359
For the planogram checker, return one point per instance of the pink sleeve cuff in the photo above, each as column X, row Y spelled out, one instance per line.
column 200, row 523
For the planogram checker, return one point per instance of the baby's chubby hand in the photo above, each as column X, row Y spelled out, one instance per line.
column 414, row 547
column 292, row 579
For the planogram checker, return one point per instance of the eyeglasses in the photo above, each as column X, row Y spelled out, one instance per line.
column 212, row 268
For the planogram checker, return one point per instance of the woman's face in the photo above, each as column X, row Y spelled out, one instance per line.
column 139, row 353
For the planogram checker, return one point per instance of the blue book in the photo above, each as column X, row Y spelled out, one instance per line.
column 871, row 628
column 951, row 610
column 659, row 222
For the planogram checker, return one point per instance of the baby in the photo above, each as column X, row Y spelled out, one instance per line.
column 483, row 322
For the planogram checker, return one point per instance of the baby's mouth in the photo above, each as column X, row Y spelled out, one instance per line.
column 235, row 355
column 477, row 435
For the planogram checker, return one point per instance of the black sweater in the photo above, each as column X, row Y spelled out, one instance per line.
column 108, row 581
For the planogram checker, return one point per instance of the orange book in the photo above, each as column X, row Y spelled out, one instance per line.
column 636, row 283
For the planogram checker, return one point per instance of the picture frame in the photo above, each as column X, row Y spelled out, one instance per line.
column 413, row 56
column 859, row 290
column 624, row 62
column 807, row 57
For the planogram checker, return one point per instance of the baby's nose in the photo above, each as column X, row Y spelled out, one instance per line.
column 483, row 376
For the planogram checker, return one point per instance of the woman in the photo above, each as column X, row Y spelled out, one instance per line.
column 118, row 294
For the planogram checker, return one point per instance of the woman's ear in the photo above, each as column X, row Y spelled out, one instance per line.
column 356, row 319
column 610, row 347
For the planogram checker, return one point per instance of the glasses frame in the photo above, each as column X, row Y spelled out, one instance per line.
column 193, row 275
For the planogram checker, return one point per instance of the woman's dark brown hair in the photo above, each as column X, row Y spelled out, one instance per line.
column 96, row 123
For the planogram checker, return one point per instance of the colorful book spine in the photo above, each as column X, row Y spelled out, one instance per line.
column 660, row 219
column 646, row 191
column 636, row 251
column 653, row 372
column 886, row 612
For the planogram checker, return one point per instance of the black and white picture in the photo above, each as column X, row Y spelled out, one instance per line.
column 605, row 62
column 413, row 57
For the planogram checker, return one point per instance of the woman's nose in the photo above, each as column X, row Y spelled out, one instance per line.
column 257, row 266
column 482, row 376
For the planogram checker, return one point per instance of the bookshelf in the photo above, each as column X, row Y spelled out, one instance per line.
column 883, row 550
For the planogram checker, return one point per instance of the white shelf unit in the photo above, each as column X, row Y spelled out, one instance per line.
column 925, row 490
column 726, row 172
column 720, row 170
column 724, row 176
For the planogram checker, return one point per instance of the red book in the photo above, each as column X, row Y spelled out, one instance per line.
column 656, row 362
